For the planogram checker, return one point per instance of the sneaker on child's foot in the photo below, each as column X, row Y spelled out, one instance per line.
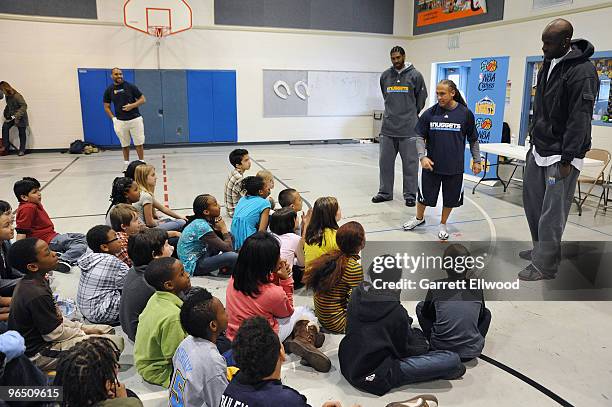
column 63, row 267
column 424, row 400
column 413, row 223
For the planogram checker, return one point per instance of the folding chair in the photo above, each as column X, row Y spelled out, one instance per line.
column 592, row 176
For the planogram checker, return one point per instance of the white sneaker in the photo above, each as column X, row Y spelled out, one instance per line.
column 443, row 235
column 413, row 223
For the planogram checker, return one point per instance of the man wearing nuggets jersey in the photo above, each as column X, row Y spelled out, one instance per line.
column 404, row 92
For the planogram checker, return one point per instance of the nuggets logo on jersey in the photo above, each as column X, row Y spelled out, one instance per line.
column 398, row 89
column 442, row 126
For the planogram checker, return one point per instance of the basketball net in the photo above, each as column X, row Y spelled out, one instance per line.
column 158, row 32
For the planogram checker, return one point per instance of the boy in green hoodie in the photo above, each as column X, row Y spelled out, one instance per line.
column 159, row 326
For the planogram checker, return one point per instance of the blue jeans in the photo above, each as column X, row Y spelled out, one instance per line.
column 207, row 263
column 71, row 246
column 171, row 224
column 436, row 364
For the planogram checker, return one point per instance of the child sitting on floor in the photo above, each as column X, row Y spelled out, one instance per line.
column 252, row 212
column 381, row 350
column 88, row 372
column 269, row 180
column 333, row 276
column 8, row 275
column 124, row 220
column 284, row 225
column 159, row 326
column 252, row 291
column 34, row 313
column 455, row 319
column 33, row 221
column 320, row 228
column 259, row 354
column 200, row 372
column 147, row 205
column 125, row 191
column 102, row 277
column 143, row 247
column 240, row 161
column 290, row 198
column 206, row 244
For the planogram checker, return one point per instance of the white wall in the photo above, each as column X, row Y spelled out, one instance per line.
column 517, row 40
column 40, row 58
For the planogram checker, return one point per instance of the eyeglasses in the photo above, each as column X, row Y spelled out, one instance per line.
column 112, row 240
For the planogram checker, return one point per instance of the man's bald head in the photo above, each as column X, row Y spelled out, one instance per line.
column 556, row 38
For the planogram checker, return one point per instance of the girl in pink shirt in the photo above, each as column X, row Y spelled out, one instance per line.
column 252, row 291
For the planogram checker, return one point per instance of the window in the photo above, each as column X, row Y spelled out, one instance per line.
column 457, row 72
column 602, row 113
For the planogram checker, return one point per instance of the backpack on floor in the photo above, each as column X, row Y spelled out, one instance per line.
column 76, row 147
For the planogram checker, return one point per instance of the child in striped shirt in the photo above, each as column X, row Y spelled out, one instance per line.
column 333, row 275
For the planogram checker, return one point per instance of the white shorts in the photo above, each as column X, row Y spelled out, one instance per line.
column 130, row 128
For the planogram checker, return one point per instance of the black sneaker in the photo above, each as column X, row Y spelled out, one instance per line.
column 410, row 202
column 63, row 267
column 457, row 375
column 525, row 254
column 379, row 198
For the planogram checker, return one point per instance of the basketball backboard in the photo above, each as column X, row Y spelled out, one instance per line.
column 157, row 17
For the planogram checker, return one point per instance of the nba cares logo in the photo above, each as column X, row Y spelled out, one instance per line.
column 484, row 124
column 488, row 65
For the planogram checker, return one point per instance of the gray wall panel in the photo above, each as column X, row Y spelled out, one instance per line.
column 374, row 16
column 364, row 9
column 337, row 14
column 287, row 13
column 277, row 107
column 239, row 12
column 51, row 8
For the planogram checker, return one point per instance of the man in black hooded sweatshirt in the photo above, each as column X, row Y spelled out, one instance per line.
column 381, row 350
column 560, row 133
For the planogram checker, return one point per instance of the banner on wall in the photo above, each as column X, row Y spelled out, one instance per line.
column 486, row 98
column 439, row 11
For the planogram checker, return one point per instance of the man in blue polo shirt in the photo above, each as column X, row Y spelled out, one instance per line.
column 127, row 121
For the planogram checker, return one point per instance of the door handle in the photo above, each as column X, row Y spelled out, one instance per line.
column 160, row 112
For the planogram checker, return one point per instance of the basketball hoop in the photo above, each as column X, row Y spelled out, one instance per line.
column 157, row 18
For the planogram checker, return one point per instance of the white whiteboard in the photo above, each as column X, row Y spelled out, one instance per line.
column 337, row 93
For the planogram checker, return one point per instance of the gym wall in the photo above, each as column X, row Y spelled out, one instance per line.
column 44, row 67
column 44, row 64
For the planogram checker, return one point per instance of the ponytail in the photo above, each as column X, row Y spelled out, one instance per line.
column 457, row 98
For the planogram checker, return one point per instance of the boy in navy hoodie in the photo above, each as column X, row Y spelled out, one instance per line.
column 381, row 350
column 455, row 319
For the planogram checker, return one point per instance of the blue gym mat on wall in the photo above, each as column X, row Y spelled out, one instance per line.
column 183, row 106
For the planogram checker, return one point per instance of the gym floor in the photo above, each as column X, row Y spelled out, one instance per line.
column 563, row 347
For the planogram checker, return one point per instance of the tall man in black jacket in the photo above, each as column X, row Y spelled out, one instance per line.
column 566, row 90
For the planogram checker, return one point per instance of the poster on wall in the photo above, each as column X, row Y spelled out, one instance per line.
column 437, row 15
column 486, row 98
column 439, row 11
